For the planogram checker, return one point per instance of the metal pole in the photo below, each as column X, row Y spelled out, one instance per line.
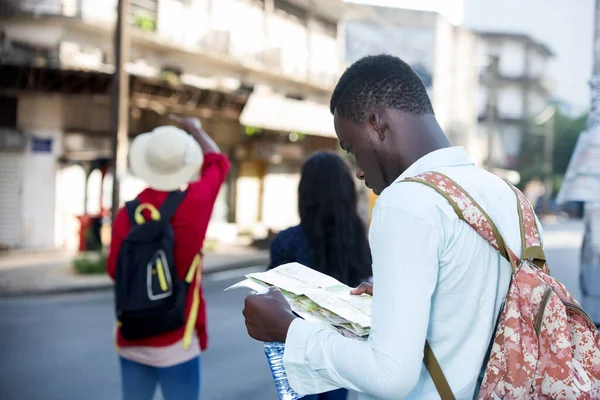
column 590, row 251
column 310, row 27
column 492, row 100
column 119, row 118
column 548, row 167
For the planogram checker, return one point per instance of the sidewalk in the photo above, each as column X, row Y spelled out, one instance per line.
column 44, row 272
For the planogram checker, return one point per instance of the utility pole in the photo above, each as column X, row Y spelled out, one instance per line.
column 549, row 162
column 583, row 185
column 547, row 120
column 492, row 101
column 590, row 252
column 119, row 119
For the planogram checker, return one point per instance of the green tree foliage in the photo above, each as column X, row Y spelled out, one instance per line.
column 531, row 158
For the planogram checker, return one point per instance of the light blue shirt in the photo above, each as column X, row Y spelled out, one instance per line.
column 434, row 277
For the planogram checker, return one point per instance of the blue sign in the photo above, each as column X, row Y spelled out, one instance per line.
column 41, row 145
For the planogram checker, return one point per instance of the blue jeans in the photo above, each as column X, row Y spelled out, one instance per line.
column 340, row 394
column 179, row 382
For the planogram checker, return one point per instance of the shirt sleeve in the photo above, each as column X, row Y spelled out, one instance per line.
column 213, row 174
column 389, row 363
column 119, row 231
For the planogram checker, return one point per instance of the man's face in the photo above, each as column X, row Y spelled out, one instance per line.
column 363, row 142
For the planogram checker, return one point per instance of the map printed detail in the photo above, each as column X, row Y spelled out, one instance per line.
column 317, row 297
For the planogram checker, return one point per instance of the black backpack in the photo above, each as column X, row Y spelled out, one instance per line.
column 149, row 295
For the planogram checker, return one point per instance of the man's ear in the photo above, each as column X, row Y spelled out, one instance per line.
column 378, row 123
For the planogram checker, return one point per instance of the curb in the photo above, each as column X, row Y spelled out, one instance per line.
column 102, row 287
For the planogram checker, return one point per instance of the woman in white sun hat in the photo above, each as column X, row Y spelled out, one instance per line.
column 175, row 162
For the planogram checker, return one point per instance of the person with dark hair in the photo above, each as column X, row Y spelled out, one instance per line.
column 439, row 285
column 331, row 236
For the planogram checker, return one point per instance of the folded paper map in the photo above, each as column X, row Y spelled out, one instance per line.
column 317, row 297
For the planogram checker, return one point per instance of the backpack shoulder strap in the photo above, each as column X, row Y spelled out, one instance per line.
column 531, row 241
column 467, row 210
column 169, row 206
column 131, row 206
column 437, row 376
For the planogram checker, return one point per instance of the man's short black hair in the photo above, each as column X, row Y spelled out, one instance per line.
column 381, row 80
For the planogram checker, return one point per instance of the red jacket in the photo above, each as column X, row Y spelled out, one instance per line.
column 190, row 223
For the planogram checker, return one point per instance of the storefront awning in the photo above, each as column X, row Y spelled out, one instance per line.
column 278, row 113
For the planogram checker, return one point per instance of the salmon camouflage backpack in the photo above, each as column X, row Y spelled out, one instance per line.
column 545, row 345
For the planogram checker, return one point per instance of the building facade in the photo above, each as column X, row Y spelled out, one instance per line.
column 521, row 92
column 443, row 54
column 258, row 73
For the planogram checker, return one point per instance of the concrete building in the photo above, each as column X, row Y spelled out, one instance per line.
column 522, row 91
column 257, row 72
column 442, row 53
column 567, row 27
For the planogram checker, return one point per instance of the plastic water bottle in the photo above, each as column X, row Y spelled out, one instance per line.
column 274, row 352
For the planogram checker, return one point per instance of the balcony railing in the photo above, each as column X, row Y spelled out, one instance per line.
column 143, row 14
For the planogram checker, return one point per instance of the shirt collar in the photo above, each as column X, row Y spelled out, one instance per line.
column 448, row 157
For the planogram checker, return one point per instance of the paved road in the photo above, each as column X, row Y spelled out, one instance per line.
column 562, row 242
column 60, row 347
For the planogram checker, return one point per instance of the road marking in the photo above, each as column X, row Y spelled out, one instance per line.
column 235, row 273
column 562, row 240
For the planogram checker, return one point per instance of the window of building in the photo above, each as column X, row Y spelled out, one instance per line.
column 291, row 11
column 143, row 14
column 327, row 26
column 8, row 112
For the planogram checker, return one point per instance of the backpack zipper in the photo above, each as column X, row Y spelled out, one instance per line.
column 568, row 305
column 538, row 320
column 537, row 325
column 579, row 310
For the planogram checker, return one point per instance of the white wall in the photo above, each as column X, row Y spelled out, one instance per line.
column 507, row 143
column 565, row 26
column 324, row 58
column 289, row 35
column 537, row 103
column 280, row 204
column 247, row 30
column 538, row 65
column 510, row 102
column 512, row 59
column 39, row 116
column 455, row 85
column 450, row 9
column 70, row 195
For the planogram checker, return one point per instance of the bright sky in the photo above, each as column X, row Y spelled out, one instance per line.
column 451, row 9
column 565, row 26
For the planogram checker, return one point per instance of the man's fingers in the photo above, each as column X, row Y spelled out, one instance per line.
column 363, row 288
column 248, row 301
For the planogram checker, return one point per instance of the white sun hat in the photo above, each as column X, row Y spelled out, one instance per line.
column 166, row 158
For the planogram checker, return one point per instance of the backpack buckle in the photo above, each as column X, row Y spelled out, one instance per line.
column 139, row 218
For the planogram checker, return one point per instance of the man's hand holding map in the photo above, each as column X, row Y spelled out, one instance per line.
column 317, row 297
